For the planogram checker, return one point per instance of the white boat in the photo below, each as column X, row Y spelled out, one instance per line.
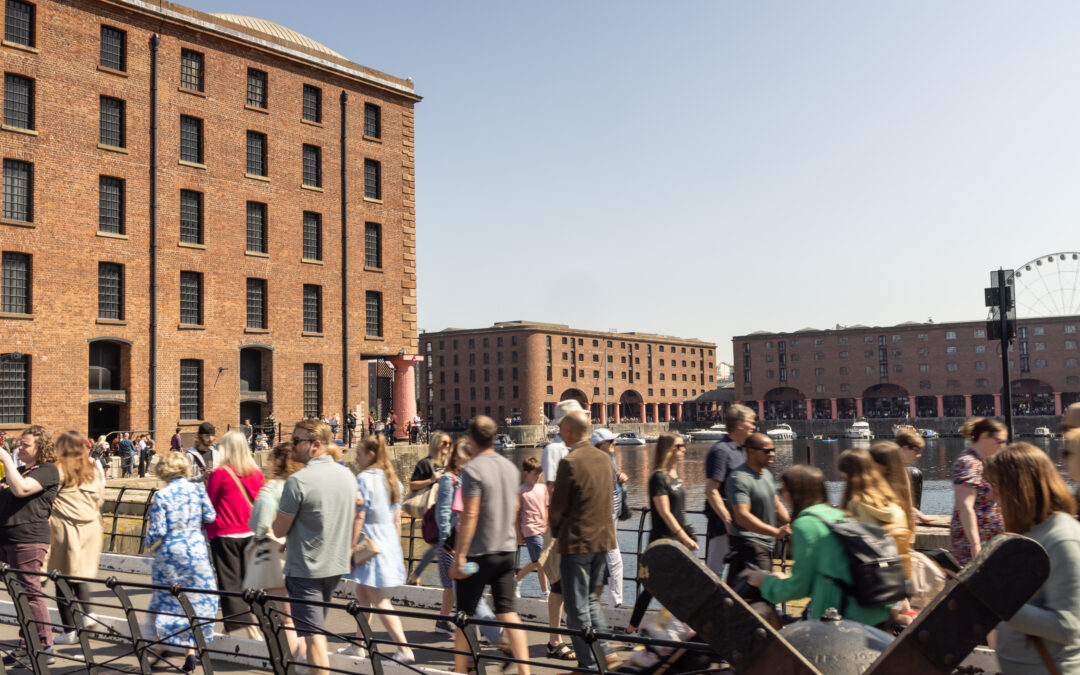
column 713, row 433
column 504, row 442
column 860, row 429
column 781, row 432
column 629, row 438
column 1042, row 431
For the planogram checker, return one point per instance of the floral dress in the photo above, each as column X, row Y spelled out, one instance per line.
column 968, row 470
column 176, row 523
column 387, row 569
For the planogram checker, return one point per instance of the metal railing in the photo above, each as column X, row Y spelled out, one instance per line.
column 126, row 630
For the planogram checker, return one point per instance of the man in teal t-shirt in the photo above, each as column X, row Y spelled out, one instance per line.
column 758, row 516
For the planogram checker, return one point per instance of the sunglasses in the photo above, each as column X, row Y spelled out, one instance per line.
column 767, row 451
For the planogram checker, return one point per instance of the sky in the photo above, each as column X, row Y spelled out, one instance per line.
column 709, row 169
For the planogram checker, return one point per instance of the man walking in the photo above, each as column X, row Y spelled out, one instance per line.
column 202, row 454
column 580, row 519
column 726, row 454
column 176, row 443
column 486, row 536
column 127, row 455
column 316, row 513
column 758, row 516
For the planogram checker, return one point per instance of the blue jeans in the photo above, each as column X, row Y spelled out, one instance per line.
column 582, row 574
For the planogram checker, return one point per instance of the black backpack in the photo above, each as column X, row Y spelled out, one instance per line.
column 877, row 571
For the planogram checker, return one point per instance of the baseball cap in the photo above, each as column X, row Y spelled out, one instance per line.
column 601, row 435
column 566, row 407
column 207, row 428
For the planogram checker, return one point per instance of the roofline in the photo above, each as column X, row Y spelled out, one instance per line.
column 207, row 22
column 905, row 326
column 561, row 328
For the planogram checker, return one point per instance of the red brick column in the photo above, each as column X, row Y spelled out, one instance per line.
column 858, row 406
column 642, row 408
column 997, row 405
column 678, row 411
column 809, row 409
column 1057, row 402
column 912, row 413
column 404, row 391
column 940, row 405
column 832, row 407
column 967, row 405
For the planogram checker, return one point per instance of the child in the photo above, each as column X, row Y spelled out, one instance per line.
column 531, row 522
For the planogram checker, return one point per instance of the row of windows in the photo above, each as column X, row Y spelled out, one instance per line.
column 550, row 390
column 610, row 344
column 881, row 339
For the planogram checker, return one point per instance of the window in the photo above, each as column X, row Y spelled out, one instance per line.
column 924, row 384
column 313, row 390
column 374, row 313
column 19, row 23
column 312, row 308
column 819, row 372
column 256, row 303
column 1072, row 380
column 256, row 88
column 979, row 333
column 924, row 367
column 845, row 370
column 14, row 390
column 113, row 48
column 191, row 298
column 768, row 344
column 924, row 351
column 111, row 127
column 372, row 120
column 839, row 341
column 372, row 245
column 922, row 336
column 868, row 339
column 256, row 227
column 896, row 338
column 1070, row 363
column 312, row 165
column 980, row 349
column 843, row 355
column 951, row 367
column 191, row 70
column 191, row 217
column 191, row 139
column 372, row 179
column 898, row 368
column 312, row 244
column 819, row 341
column 111, row 205
column 950, row 335
column 869, row 370
column 110, row 291
column 1022, row 332
column 18, row 101
column 190, row 389
column 868, row 354
column 256, row 153
column 1040, row 363
column 950, row 349
column 312, row 104
column 982, row 383
column 1070, row 329
column 1040, row 346
column 15, row 283
column 818, row 356
column 980, row 365
column 1070, row 344
column 18, row 191
column 845, row 387
column 1039, row 330
column 952, row 384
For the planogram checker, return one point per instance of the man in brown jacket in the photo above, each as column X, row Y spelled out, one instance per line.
column 580, row 518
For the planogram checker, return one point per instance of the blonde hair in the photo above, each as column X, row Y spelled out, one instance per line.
column 42, row 443
column 887, row 455
column 1027, row 485
column 864, row 484
column 435, row 444
column 73, row 460
column 235, row 454
column 459, row 455
column 375, row 445
column 172, row 466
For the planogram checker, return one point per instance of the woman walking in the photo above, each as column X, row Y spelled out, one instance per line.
column 232, row 488
column 177, row 515
column 976, row 516
column 428, row 471
column 378, row 517
column 75, row 527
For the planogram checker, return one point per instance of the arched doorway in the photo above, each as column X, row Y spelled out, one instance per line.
column 256, row 383
column 1031, row 396
column 785, row 403
column 630, row 406
column 886, row 400
column 577, row 395
column 108, row 373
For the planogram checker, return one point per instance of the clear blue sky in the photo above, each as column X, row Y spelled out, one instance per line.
column 707, row 169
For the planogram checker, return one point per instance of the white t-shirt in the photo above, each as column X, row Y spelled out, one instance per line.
column 553, row 454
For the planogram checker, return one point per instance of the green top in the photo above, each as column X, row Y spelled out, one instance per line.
column 819, row 556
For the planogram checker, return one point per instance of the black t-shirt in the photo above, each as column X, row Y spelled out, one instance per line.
column 663, row 483
column 425, row 469
column 915, row 477
column 25, row 520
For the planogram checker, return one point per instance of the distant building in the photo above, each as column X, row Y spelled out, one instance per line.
column 725, row 372
column 520, row 370
column 908, row 370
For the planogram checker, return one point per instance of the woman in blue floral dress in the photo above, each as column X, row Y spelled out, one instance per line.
column 177, row 516
column 976, row 516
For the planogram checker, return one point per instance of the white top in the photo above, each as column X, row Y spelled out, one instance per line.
column 553, row 454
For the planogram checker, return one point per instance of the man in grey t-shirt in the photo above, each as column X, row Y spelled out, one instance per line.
column 759, row 517
column 316, row 513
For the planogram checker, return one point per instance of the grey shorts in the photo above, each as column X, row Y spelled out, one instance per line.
column 310, row 619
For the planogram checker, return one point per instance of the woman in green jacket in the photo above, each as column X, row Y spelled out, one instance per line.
column 819, row 555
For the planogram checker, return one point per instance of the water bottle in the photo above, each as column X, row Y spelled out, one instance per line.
column 471, row 567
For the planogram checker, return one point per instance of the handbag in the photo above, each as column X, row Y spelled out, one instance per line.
column 430, row 529
column 364, row 550
column 927, row 580
column 264, row 566
column 417, row 503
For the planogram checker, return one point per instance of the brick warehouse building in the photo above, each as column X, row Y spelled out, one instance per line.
column 211, row 224
column 908, row 370
column 521, row 369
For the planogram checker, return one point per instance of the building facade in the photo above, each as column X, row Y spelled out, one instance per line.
column 209, row 217
column 908, row 370
column 520, row 370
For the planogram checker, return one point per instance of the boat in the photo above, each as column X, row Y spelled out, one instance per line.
column 860, row 429
column 1042, row 432
column 629, row 438
column 504, row 442
column 929, row 433
column 781, row 432
column 713, row 433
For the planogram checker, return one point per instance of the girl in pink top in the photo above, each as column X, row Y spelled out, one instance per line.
column 531, row 522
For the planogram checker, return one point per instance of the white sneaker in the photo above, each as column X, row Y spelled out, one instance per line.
column 68, row 638
column 353, row 650
column 92, row 621
column 405, row 656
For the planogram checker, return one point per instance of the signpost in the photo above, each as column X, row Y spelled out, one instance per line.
column 1002, row 326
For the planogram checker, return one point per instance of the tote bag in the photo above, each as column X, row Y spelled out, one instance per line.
column 263, row 564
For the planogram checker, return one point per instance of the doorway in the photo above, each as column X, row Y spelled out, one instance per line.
column 103, row 418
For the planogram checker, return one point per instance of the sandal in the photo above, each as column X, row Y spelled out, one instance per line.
column 561, row 651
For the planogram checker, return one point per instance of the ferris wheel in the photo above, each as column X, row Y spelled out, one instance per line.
column 1047, row 286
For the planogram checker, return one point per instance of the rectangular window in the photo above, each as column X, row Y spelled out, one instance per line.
column 372, row 120
column 312, row 245
column 110, row 291
column 18, row 191
column 19, row 23
column 1040, row 330
column 1070, row 328
column 950, row 350
column 191, row 217
column 312, row 104
column 18, row 101
column 111, row 205
column 15, row 288
column 980, row 365
column 256, row 153
column 312, row 308
column 374, row 314
column 256, row 88
column 372, row 245
column 256, row 227
column 1070, row 344
column 191, row 298
column 190, row 389
column 113, row 48
column 191, row 70
column 372, row 179
column 312, row 390
column 14, row 390
column 111, row 127
column 312, row 165
column 256, row 303
column 950, row 335
column 951, row 367
column 191, row 139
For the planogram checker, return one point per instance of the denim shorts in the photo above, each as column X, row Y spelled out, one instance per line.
column 535, row 544
column 310, row 619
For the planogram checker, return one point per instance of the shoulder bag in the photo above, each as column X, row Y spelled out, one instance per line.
column 364, row 550
column 418, row 502
column 264, row 566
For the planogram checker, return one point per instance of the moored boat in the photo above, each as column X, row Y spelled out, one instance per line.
column 781, row 432
column 629, row 438
column 860, row 429
column 713, row 433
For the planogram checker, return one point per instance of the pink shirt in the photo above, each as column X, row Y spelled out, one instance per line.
column 532, row 509
column 233, row 509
